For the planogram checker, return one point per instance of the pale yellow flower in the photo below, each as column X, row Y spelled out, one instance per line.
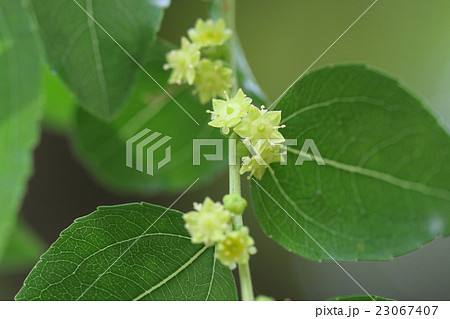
column 208, row 223
column 260, row 124
column 267, row 153
column 213, row 79
column 209, row 33
column 235, row 248
column 183, row 63
column 228, row 113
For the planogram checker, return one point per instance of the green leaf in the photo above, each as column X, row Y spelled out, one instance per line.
column 23, row 249
column 385, row 188
column 360, row 298
column 59, row 103
column 93, row 66
column 128, row 252
column 103, row 145
column 20, row 82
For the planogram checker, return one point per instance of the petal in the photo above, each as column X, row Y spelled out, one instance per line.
column 244, row 169
column 239, row 96
column 220, row 24
column 234, row 122
column 190, row 76
column 274, row 117
column 276, row 135
column 208, row 204
column 218, row 105
column 199, row 24
column 184, row 43
column 216, row 123
column 259, row 172
column 246, row 104
column 254, row 113
column 192, row 34
column 225, row 130
column 243, row 130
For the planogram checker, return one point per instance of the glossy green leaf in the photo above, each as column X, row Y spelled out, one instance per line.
column 23, row 249
column 102, row 145
column 93, row 66
column 128, row 252
column 20, row 82
column 360, row 298
column 385, row 188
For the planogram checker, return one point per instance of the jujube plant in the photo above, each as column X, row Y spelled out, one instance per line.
column 343, row 203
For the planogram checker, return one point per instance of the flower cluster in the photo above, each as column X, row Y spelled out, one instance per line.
column 211, row 224
column 200, row 61
column 257, row 127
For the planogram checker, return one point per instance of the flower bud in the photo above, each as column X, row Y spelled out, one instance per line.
column 234, row 203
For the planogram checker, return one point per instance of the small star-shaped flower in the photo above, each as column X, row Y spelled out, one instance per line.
column 208, row 223
column 212, row 80
column 266, row 154
column 209, row 33
column 183, row 62
column 260, row 124
column 235, row 248
column 228, row 113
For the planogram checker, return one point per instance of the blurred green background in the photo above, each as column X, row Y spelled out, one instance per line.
column 406, row 38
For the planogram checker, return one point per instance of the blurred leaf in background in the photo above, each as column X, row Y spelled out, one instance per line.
column 23, row 250
column 59, row 103
column 102, row 145
column 20, row 109
column 92, row 65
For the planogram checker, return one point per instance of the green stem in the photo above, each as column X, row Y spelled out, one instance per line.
column 235, row 187
column 235, row 180
column 228, row 11
column 246, row 282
